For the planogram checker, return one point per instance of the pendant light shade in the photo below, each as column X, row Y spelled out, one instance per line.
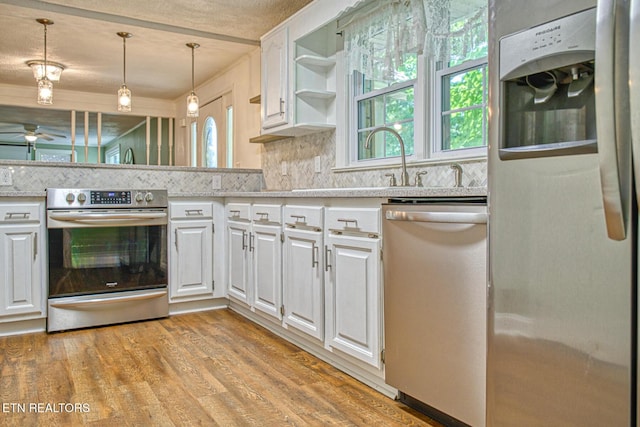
column 124, row 94
column 192, row 99
column 45, row 87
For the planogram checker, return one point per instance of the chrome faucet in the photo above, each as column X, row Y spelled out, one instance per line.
column 456, row 167
column 404, row 176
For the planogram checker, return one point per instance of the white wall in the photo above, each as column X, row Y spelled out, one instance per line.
column 243, row 80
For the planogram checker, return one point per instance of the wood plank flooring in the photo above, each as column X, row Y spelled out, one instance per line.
column 212, row 368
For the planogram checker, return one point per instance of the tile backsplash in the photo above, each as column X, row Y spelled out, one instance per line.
column 299, row 155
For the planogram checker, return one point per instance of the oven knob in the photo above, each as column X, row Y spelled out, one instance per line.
column 70, row 197
column 149, row 197
column 82, row 198
column 139, row 198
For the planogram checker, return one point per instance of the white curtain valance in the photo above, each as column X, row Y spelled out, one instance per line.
column 378, row 40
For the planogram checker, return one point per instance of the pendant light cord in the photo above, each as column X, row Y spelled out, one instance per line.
column 124, row 60
column 45, row 50
column 193, row 49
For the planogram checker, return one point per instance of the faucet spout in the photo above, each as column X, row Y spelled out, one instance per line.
column 404, row 176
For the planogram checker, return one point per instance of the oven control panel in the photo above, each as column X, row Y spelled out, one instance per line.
column 69, row 198
column 110, row 197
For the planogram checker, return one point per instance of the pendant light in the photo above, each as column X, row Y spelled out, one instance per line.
column 124, row 94
column 192, row 99
column 45, row 87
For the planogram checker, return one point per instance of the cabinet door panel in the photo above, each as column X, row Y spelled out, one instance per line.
column 192, row 250
column 303, row 290
column 238, row 240
column 275, row 79
column 19, row 271
column 267, row 276
column 354, row 298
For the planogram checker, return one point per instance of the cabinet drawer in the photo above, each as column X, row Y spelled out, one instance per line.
column 353, row 219
column 264, row 213
column 238, row 211
column 20, row 212
column 310, row 216
column 190, row 210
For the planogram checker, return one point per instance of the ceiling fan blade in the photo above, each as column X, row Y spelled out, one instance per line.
column 44, row 136
column 50, row 135
column 11, row 133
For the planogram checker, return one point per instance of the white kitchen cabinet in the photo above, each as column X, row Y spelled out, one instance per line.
column 254, row 233
column 22, row 264
column 238, row 236
column 303, row 289
column 266, row 260
column 299, row 83
column 275, row 79
column 354, row 283
column 191, row 251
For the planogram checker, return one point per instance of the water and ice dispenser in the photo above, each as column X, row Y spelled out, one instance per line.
column 547, row 105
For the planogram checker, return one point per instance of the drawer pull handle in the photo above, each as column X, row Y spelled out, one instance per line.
column 300, row 219
column 264, row 216
column 22, row 215
column 194, row 212
column 349, row 221
column 234, row 214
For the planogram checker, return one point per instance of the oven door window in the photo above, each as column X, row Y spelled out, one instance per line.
column 108, row 259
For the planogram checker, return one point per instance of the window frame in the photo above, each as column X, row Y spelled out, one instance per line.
column 436, row 150
column 354, row 98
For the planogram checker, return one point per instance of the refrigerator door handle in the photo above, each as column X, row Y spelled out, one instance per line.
column 634, row 87
column 608, row 139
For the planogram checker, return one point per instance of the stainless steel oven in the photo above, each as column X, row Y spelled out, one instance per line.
column 107, row 257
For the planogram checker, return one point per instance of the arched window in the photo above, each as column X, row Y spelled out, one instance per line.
column 210, row 142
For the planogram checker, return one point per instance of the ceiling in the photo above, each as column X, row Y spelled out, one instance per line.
column 83, row 38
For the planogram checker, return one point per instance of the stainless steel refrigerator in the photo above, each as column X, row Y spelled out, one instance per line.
column 564, row 116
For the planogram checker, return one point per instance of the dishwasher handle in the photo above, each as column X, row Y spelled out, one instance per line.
column 441, row 217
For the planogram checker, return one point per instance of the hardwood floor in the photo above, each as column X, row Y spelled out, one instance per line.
column 210, row 368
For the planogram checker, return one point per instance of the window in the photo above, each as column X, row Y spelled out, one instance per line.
column 112, row 155
column 419, row 67
column 210, row 140
column 461, row 89
column 194, row 143
column 230, row 136
column 462, row 124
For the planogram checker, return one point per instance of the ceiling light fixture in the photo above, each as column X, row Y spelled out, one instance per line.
column 124, row 94
column 192, row 99
column 30, row 138
column 45, row 87
column 54, row 69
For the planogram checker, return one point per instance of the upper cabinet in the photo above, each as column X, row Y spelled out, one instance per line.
column 299, row 71
column 275, row 78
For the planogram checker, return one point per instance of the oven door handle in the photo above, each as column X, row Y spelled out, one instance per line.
column 107, row 300
column 106, row 218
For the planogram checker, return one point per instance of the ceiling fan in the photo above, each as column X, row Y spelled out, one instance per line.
column 32, row 133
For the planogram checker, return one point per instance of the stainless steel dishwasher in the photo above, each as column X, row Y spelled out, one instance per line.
column 435, row 305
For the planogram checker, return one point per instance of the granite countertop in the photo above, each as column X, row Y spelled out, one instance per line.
column 375, row 192
column 371, row 192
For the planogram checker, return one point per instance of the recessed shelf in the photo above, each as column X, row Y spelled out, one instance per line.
column 255, row 100
column 318, row 61
column 313, row 93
